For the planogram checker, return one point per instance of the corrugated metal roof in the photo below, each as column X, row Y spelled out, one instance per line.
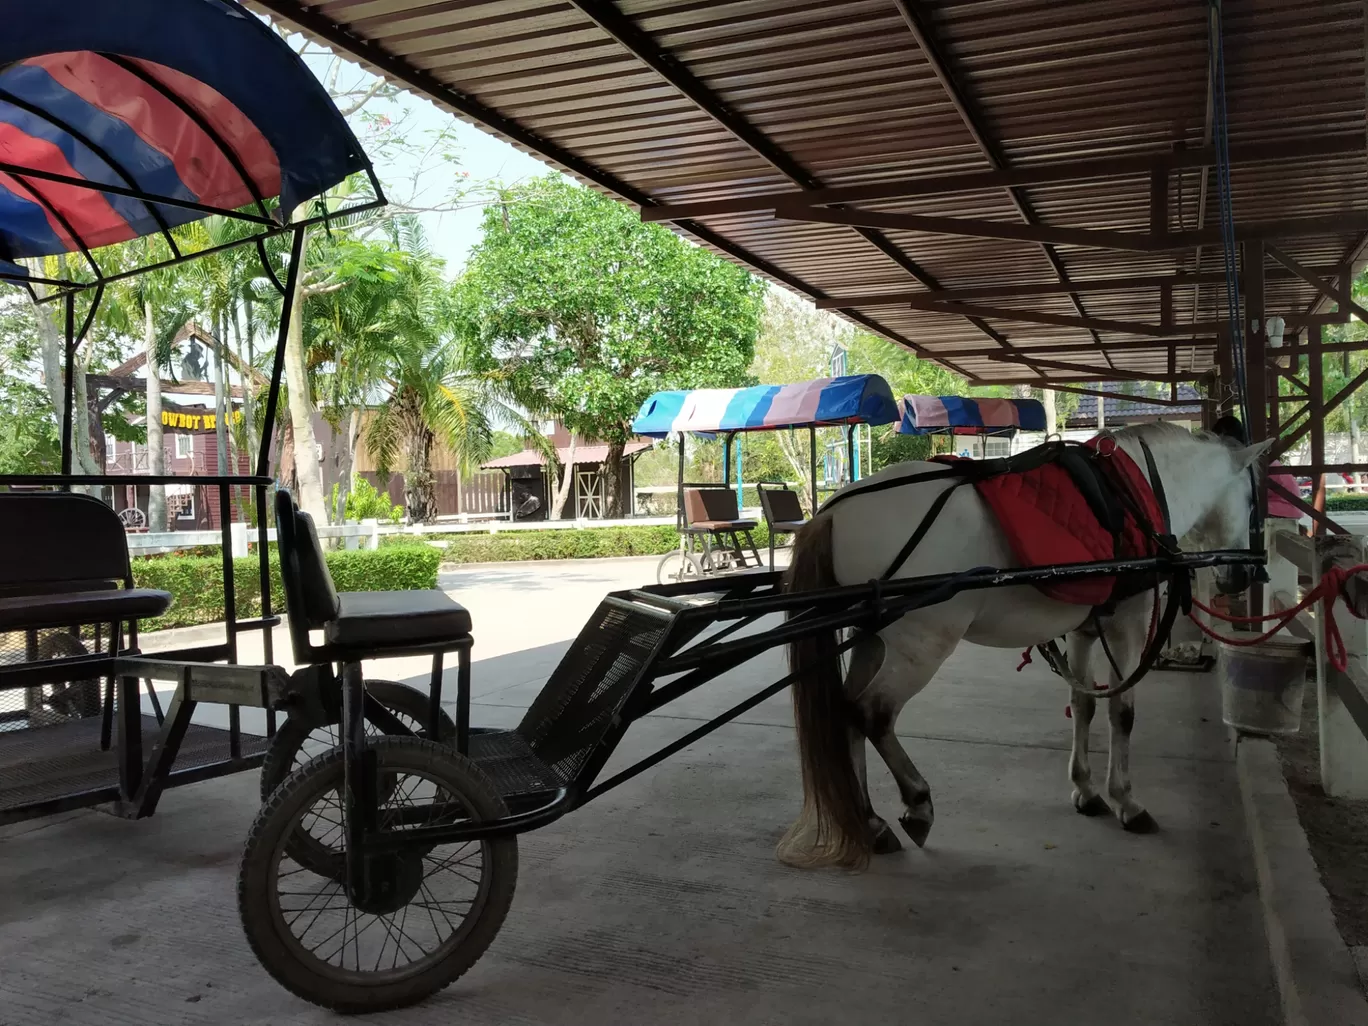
column 584, row 454
column 675, row 101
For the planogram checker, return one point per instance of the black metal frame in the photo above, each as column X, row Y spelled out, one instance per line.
column 142, row 781
column 692, row 660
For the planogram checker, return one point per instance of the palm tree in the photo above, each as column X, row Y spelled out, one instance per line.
column 425, row 384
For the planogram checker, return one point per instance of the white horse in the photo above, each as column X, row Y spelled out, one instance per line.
column 1208, row 487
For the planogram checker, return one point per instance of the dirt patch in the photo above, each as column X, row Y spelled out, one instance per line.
column 1337, row 828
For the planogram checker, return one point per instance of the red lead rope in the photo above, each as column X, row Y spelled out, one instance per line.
column 1328, row 590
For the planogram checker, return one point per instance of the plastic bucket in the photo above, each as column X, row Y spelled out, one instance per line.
column 1262, row 685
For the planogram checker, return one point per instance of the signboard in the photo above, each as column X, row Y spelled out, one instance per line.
column 191, row 420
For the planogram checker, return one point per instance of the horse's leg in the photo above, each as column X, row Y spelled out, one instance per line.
column 1127, row 641
column 1081, row 708
column 901, row 676
column 866, row 657
column 1133, row 816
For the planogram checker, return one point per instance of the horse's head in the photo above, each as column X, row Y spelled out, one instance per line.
column 1227, row 521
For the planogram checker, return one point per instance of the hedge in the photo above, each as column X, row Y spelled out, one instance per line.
column 563, row 543
column 196, row 582
column 1345, row 501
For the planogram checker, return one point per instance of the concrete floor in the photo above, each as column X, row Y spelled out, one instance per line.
column 662, row 902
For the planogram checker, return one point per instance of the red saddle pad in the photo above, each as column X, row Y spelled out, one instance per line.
column 1047, row 520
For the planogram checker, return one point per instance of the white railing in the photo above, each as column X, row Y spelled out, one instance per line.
column 1295, row 565
column 365, row 535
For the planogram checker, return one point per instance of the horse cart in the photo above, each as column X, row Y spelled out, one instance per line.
column 383, row 859
column 713, row 536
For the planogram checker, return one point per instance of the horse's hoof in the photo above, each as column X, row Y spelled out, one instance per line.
column 1094, row 806
column 886, row 841
column 1143, row 823
column 918, row 823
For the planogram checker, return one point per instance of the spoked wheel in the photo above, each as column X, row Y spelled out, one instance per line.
column 428, row 912
column 294, row 746
column 678, row 566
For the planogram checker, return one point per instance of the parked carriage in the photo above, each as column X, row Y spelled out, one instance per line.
column 380, row 869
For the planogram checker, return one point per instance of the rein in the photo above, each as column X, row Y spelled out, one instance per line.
column 1330, row 588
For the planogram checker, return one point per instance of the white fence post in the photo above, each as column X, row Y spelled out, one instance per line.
column 1343, row 748
column 237, row 532
column 350, row 540
column 372, row 535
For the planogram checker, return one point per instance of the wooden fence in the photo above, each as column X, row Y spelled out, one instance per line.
column 483, row 493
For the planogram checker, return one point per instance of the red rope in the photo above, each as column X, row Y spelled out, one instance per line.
column 1329, row 589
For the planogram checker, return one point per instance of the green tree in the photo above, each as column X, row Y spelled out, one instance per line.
column 586, row 311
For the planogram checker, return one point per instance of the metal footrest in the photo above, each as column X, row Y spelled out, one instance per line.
column 511, row 764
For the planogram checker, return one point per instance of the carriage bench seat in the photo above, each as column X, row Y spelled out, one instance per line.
column 70, row 565
column 381, row 618
column 62, row 609
column 355, row 624
column 713, row 509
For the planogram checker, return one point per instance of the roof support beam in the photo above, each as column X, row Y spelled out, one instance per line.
column 968, row 111
column 1093, row 324
column 1344, row 222
column 1102, row 376
column 1069, row 349
column 605, row 14
column 1340, row 294
column 1076, row 368
column 1055, row 173
column 1137, row 283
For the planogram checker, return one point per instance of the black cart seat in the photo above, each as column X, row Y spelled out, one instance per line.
column 72, row 567
column 360, row 624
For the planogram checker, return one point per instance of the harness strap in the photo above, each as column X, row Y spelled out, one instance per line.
column 932, row 513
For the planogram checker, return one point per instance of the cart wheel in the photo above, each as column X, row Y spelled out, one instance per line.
column 50, row 704
column 294, row 745
column 678, row 566
column 435, row 911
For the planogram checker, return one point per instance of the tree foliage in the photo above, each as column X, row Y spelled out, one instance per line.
column 586, row 311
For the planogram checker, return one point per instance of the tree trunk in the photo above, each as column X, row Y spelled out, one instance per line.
column 220, row 405
column 612, row 482
column 346, row 463
column 420, row 493
column 1355, row 436
column 794, row 447
column 562, row 489
column 308, row 472
column 80, row 423
column 54, row 377
column 1047, row 399
column 156, row 454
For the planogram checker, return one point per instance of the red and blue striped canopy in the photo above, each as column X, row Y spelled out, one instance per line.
column 956, row 415
column 855, row 399
column 189, row 100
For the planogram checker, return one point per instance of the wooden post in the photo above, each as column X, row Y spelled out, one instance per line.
column 1316, row 384
column 1256, row 336
column 1225, row 376
column 1343, row 748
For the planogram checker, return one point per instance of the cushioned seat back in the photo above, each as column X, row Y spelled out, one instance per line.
column 780, row 505
column 703, row 504
column 60, row 542
column 310, row 597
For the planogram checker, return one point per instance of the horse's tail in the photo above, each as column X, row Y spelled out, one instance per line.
column 832, row 828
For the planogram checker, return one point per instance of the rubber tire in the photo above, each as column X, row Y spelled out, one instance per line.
column 459, row 776
column 290, row 736
column 690, row 570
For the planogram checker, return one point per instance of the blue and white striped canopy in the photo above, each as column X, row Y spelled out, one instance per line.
column 957, row 415
column 856, row 399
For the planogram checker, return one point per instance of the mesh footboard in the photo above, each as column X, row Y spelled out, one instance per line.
column 592, row 683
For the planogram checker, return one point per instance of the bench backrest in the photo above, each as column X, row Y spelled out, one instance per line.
column 702, row 504
column 781, row 505
column 60, row 541
column 310, row 598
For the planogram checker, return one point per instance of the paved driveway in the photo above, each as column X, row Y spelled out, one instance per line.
column 662, row 902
